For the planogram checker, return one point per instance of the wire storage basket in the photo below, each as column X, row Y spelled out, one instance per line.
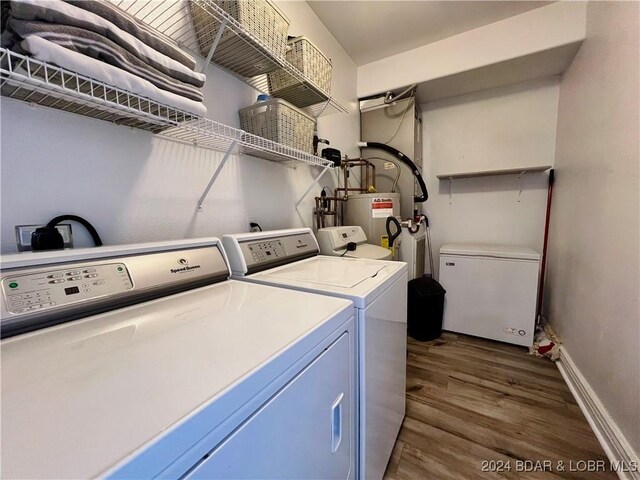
column 280, row 122
column 260, row 18
column 313, row 64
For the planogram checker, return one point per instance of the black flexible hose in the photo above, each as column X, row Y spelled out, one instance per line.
column 74, row 218
column 407, row 161
column 393, row 236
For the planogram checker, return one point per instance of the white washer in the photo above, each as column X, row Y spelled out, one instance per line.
column 491, row 291
column 183, row 374
column 289, row 259
column 333, row 241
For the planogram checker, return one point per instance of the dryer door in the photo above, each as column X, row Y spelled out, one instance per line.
column 307, row 430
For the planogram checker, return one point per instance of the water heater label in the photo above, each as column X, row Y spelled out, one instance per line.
column 381, row 208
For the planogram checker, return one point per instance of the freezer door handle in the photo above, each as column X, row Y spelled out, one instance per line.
column 336, row 423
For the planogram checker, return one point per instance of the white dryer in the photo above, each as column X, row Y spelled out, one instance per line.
column 289, row 259
column 143, row 361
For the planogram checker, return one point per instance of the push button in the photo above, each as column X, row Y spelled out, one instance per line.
column 54, row 275
column 13, row 285
column 75, row 278
column 77, row 272
column 59, row 280
column 16, row 297
column 93, row 275
column 89, row 270
column 17, row 304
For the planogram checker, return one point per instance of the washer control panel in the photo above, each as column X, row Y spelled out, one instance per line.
column 265, row 251
column 64, row 286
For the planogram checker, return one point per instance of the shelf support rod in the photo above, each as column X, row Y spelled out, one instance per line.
column 214, row 45
column 315, row 181
column 324, row 107
column 522, row 174
column 216, row 173
column 450, row 189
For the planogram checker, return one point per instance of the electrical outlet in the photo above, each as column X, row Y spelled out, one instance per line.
column 23, row 235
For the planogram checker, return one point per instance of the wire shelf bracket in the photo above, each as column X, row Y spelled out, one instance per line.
column 214, row 45
column 217, row 171
column 313, row 184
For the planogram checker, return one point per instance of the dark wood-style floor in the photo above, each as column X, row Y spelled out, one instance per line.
column 471, row 400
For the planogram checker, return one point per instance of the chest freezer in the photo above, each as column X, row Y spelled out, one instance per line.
column 491, row 291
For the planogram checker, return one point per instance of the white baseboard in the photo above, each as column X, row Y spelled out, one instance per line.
column 613, row 441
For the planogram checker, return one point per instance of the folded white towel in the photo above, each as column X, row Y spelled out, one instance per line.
column 50, row 52
column 57, row 11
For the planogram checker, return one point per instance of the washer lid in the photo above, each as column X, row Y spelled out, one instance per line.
column 356, row 279
column 369, row 251
column 328, row 271
column 494, row 251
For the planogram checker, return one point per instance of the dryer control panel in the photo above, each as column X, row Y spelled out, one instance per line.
column 37, row 291
column 36, row 296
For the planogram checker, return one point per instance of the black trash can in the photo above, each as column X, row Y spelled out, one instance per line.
column 425, row 309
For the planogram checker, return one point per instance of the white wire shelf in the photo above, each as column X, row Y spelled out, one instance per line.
column 213, row 135
column 30, row 80
column 217, row 136
column 242, row 57
column 39, row 83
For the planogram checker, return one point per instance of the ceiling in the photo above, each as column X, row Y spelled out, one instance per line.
column 370, row 29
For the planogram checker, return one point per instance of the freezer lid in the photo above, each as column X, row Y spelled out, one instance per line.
column 331, row 271
column 492, row 251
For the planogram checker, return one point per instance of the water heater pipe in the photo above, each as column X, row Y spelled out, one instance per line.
column 404, row 159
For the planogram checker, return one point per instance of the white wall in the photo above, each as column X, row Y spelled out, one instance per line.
column 593, row 281
column 136, row 187
column 545, row 28
column 504, row 127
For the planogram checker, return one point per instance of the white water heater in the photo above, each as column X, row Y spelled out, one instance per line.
column 370, row 211
column 411, row 249
column 398, row 124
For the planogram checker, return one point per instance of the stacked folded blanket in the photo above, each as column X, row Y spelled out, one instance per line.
column 98, row 40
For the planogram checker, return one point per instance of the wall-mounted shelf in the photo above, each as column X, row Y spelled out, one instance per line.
column 39, row 83
column 520, row 172
column 206, row 133
column 24, row 78
column 174, row 20
column 213, row 135
column 488, row 173
column 30, row 80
